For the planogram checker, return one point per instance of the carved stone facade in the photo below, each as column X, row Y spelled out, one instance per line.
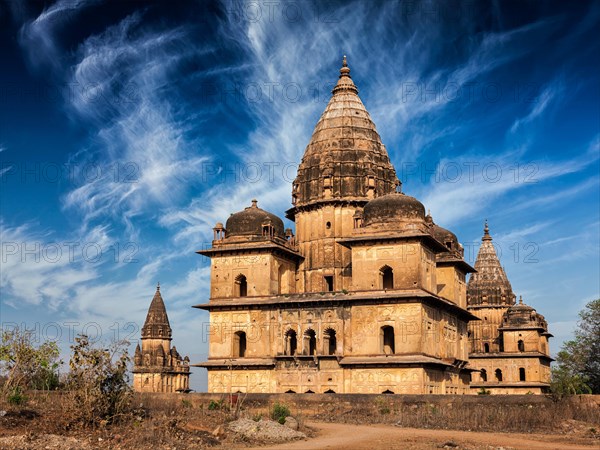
column 369, row 296
column 509, row 344
column 157, row 366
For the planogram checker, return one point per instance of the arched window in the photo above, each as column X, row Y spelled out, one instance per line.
column 329, row 342
column 329, row 391
column 386, row 275
column 483, row 374
column 521, row 346
column 239, row 344
column 498, row 375
column 309, row 392
column 291, row 343
column 310, row 342
column 521, row 373
column 387, row 391
column 289, row 391
column 387, row 340
column 486, row 347
column 241, row 286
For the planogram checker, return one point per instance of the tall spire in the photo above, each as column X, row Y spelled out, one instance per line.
column 489, row 285
column 157, row 324
column 345, row 158
column 345, row 83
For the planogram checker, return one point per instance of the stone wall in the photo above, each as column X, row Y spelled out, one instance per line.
column 485, row 412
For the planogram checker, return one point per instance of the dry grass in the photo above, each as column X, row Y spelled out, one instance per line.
column 185, row 421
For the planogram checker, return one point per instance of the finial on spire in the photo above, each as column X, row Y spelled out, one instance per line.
column 158, row 286
column 345, row 70
column 486, row 232
column 254, row 203
column 520, row 299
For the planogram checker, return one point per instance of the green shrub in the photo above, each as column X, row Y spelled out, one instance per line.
column 214, row 406
column 280, row 412
column 16, row 397
column 483, row 391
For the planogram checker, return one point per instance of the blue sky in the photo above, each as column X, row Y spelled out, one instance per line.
column 128, row 130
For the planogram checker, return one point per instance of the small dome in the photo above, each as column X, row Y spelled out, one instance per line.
column 520, row 307
column 394, row 207
column 249, row 222
column 522, row 315
column 445, row 237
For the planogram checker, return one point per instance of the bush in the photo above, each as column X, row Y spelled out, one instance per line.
column 214, row 406
column 98, row 383
column 483, row 391
column 23, row 365
column 280, row 412
column 16, row 397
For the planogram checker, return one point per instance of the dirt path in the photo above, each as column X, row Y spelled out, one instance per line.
column 337, row 436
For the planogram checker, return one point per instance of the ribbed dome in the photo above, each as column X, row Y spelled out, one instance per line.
column 157, row 324
column 393, row 208
column 249, row 222
column 489, row 285
column 345, row 158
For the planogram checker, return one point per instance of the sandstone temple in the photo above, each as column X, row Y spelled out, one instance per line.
column 369, row 295
column 509, row 342
column 158, row 367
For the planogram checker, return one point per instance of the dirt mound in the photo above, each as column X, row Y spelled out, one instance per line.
column 264, row 430
column 42, row 442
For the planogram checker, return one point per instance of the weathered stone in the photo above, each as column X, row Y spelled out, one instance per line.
column 158, row 367
column 291, row 422
column 369, row 295
column 509, row 344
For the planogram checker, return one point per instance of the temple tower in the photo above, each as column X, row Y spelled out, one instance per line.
column 345, row 165
column 350, row 304
column 509, row 344
column 157, row 366
column 489, row 295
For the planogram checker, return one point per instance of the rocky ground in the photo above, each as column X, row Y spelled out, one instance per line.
column 42, row 424
column 264, row 430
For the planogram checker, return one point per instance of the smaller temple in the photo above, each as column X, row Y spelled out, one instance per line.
column 158, row 367
column 509, row 344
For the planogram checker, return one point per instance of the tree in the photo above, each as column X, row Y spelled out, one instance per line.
column 24, row 365
column 98, row 382
column 578, row 369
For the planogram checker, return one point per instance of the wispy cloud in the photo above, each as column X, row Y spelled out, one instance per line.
column 138, row 130
column 39, row 36
column 483, row 180
column 550, row 94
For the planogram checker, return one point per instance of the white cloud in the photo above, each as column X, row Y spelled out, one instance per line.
column 550, row 94
column 479, row 185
